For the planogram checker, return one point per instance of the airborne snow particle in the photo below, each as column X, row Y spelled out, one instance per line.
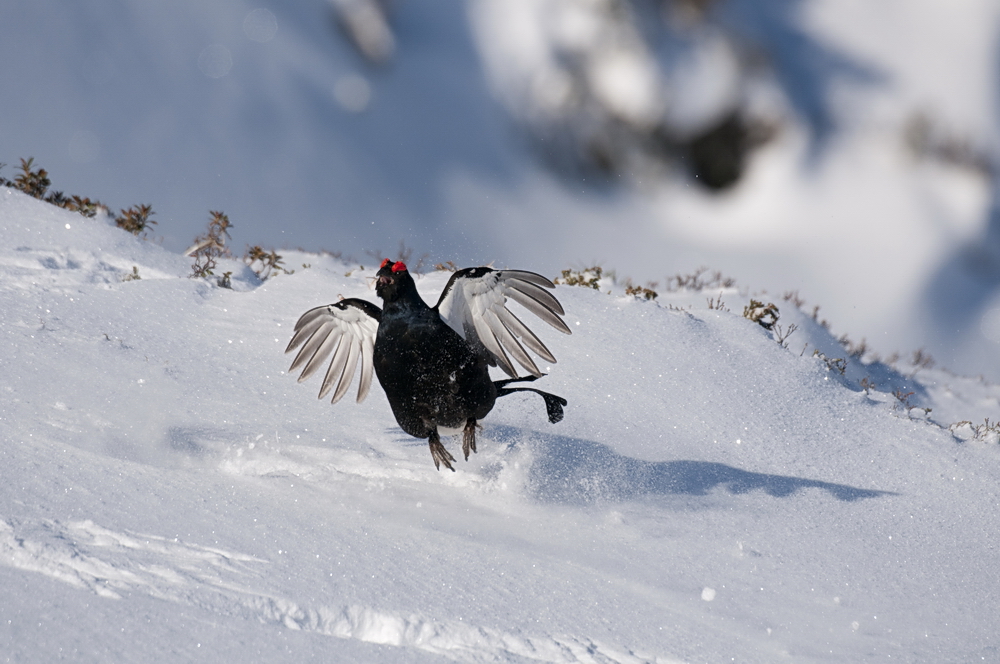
column 215, row 61
column 260, row 25
column 990, row 325
column 353, row 93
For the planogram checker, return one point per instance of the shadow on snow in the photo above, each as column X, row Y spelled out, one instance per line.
column 573, row 470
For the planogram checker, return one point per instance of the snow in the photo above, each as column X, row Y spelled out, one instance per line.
column 270, row 114
column 170, row 493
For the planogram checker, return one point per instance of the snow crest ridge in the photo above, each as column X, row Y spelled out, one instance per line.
column 114, row 565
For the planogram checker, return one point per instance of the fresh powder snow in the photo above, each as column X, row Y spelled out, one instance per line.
column 718, row 491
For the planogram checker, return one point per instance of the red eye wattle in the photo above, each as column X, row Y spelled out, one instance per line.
column 385, row 262
column 399, row 266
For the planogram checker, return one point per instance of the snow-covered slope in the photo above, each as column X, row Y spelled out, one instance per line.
column 169, row 493
column 265, row 111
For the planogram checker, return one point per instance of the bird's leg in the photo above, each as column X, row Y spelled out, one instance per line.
column 439, row 453
column 469, row 437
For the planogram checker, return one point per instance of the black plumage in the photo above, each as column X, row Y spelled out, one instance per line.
column 433, row 362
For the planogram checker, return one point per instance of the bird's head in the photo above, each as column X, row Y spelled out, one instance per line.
column 392, row 279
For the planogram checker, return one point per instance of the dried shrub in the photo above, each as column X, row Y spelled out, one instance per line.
column 641, row 291
column 36, row 183
column 588, row 278
column 928, row 139
column 903, row 402
column 265, row 264
column 699, row 280
column 837, row 364
column 33, row 183
column 765, row 315
column 210, row 246
column 85, row 206
column 781, row 334
column 922, row 360
column 987, row 432
column 856, row 350
column 717, row 304
column 136, row 220
column 794, row 299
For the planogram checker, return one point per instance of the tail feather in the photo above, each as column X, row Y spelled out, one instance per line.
column 553, row 404
column 520, row 379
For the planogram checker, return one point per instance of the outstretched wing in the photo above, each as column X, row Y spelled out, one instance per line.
column 474, row 304
column 346, row 330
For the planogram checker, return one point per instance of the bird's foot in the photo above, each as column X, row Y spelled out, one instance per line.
column 469, row 438
column 439, row 453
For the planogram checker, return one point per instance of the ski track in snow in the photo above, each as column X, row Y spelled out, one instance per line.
column 114, row 565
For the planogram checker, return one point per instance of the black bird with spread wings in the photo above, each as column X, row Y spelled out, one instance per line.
column 433, row 362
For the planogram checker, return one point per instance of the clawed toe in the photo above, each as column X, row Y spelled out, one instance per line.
column 440, row 454
column 469, row 438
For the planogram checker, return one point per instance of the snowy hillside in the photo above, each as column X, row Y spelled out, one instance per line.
column 872, row 189
column 169, row 493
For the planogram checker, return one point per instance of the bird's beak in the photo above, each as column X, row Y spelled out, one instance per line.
column 384, row 280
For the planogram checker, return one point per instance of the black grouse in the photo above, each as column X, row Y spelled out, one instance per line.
column 433, row 362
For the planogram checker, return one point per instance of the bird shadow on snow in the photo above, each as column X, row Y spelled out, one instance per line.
column 574, row 470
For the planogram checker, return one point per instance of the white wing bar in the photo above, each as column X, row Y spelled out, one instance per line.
column 344, row 331
column 475, row 305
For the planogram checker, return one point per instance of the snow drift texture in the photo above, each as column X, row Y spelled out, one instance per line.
column 169, row 493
